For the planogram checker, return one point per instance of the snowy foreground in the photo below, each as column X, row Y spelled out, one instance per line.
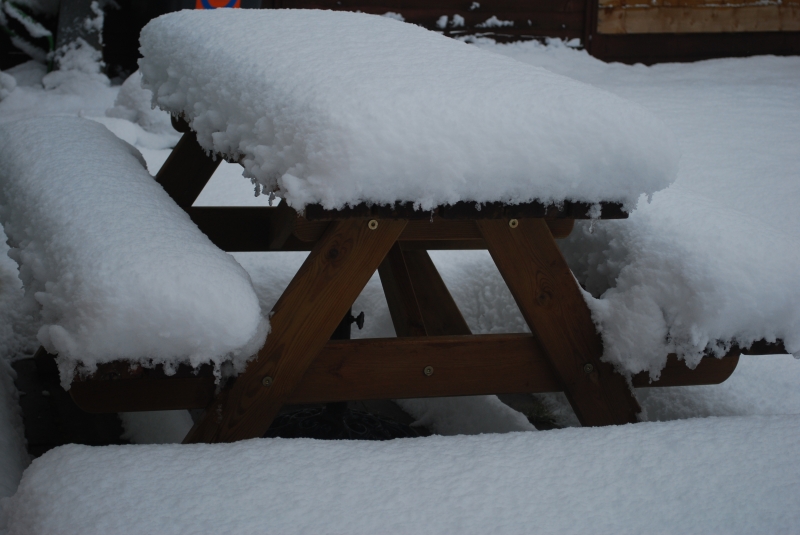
column 733, row 207
column 718, row 475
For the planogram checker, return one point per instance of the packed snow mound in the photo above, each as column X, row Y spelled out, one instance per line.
column 341, row 108
column 714, row 475
column 119, row 270
column 133, row 103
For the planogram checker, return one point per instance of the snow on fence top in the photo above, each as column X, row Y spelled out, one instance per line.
column 119, row 270
column 341, row 108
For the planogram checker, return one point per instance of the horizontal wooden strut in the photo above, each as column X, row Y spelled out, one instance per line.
column 379, row 368
column 262, row 228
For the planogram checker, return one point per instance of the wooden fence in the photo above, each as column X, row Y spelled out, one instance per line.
column 647, row 31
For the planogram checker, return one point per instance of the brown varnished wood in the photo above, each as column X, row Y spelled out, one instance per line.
column 560, row 228
column 261, row 228
column 708, row 18
column 381, row 368
column 551, row 303
column 309, row 231
column 187, row 170
column 302, row 320
column 470, row 211
column 443, row 245
column 393, row 368
column 400, row 296
column 710, row 371
column 235, row 229
column 440, row 313
column 146, row 394
column 282, row 222
column 440, row 229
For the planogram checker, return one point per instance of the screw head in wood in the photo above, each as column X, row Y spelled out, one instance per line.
column 513, row 223
column 588, row 368
column 428, row 370
column 373, row 224
column 266, row 381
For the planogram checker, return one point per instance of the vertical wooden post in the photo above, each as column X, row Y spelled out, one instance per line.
column 551, row 303
column 302, row 320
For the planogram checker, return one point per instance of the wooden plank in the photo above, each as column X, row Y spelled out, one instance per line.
column 672, row 47
column 551, row 303
column 235, row 228
column 648, row 4
column 135, row 395
column 440, row 229
column 440, row 314
column 468, row 211
column 394, row 368
column 748, row 18
column 710, row 371
column 187, row 170
column 381, row 368
column 762, row 347
column 443, row 245
column 400, row 296
column 560, row 228
column 261, row 228
column 302, row 320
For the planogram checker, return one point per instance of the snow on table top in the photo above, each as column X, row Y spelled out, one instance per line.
column 119, row 270
column 715, row 475
column 340, row 108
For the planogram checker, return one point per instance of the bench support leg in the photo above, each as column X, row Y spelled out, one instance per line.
column 302, row 321
column 551, row 303
column 419, row 302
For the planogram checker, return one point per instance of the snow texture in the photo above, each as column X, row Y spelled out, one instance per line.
column 7, row 84
column 340, row 108
column 713, row 475
column 119, row 270
column 713, row 259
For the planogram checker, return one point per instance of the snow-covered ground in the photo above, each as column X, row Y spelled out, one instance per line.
column 735, row 119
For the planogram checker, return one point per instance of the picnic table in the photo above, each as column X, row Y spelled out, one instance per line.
column 587, row 155
column 435, row 353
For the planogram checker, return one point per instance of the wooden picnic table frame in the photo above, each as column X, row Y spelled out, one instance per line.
column 434, row 354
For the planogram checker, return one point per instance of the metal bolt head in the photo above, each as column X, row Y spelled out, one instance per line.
column 428, row 370
column 513, row 223
column 266, row 381
column 588, row 368
column 373, row 224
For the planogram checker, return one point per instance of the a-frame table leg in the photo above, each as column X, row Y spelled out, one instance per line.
column 439, row 311
column 400, row 295
column 419, row 302
column 551, row 303
column 187, row 170
column 302, row 320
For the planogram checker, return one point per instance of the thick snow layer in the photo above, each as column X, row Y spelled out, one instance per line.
column 118, row 268
column 714, row 258
column 341, row 108
column 714, row 475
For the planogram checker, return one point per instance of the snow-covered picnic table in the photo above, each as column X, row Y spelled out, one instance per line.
column 682, row 289
column 383, row 141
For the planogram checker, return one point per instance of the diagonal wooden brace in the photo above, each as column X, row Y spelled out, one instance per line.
column 551, row 303
column 302, row 320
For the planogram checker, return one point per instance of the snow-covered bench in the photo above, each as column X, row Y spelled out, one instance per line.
column 117, row 270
